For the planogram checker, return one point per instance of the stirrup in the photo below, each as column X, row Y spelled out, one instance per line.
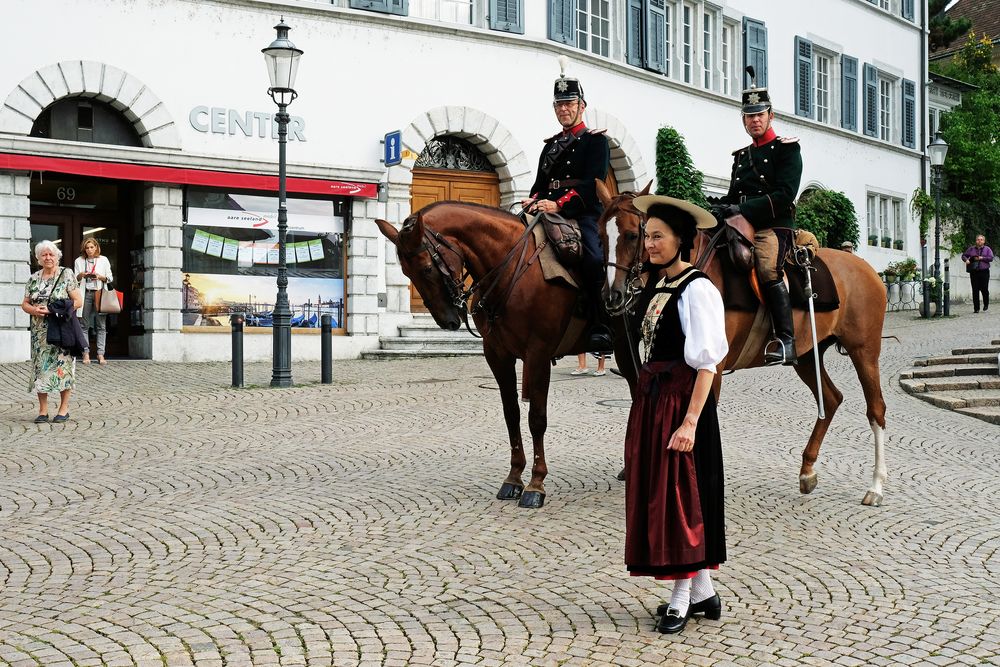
column 780, row 357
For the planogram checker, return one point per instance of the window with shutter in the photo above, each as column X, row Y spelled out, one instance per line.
column 562, row 21
column 400, row 7
column 755, row 49
column 803, row 77
column 909, row 114
column 849, row 93
column 507, row 15
column 656, row 36
column 870, row 112
column 634, row 32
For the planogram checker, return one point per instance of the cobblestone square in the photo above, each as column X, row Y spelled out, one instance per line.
column 177, row 521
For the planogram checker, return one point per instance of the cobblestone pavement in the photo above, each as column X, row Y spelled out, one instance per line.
column 176, row 521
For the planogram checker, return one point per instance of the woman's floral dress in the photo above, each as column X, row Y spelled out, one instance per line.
column 52, row 368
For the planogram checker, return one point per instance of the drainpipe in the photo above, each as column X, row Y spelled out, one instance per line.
column 925, row 76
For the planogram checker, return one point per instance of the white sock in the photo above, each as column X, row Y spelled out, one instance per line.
column 701, row 586
column 680, row 599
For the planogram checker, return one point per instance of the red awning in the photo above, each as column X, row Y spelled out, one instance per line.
column 180, row 175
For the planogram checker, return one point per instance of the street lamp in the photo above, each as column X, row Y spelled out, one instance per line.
column 938, row 150
column 282, row 60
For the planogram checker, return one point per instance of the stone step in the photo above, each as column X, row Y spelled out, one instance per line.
column 923, row 385
column 957, row 359
column 956, row 400
column 993, row 349
column 957, row 370
column 382, row 355
column 424, row 331
column 430, row 343
column 987, row 414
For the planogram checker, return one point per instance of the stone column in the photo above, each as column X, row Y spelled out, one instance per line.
column 366, row 270
column 15, row 251
column 162, row 293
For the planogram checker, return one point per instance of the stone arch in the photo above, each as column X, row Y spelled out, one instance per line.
column 85, row 78
column 626, row 158
column 483, row 131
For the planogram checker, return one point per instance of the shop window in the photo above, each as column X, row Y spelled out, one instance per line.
column 231, row 258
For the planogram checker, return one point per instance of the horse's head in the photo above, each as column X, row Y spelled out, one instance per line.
column 629, row 250
column 433, row 265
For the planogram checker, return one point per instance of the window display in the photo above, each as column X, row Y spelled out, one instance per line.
column 231, row 258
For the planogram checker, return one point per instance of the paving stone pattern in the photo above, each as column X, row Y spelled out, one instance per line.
column 177, row 521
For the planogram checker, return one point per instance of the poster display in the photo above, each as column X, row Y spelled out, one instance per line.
column 231, row 256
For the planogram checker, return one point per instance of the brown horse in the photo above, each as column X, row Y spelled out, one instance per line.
column 520, row 314
column 856, row 327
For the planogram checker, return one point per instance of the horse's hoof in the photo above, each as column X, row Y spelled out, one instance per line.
column 621, row 475
column 872, row 499
column 807, row 483
column 510, row 491
column 532, row 499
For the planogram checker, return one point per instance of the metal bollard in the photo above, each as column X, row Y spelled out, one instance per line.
column 326, row 349
column 945, row 290
column 926, row 288
column 236, row 320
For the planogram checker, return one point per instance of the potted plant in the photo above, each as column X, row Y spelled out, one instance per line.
column 873, row 239
column 898, row 244
column 886, row 241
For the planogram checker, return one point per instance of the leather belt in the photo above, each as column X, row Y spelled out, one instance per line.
column 555, row 184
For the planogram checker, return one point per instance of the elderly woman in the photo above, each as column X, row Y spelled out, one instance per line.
column 53, row 369
column 93, row 270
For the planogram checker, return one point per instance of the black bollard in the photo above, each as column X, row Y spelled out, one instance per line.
column 926, row 288
column 326, row 348
column 236, row 320
column 946, row 291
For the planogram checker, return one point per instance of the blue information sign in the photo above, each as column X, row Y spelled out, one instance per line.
column 393, row 148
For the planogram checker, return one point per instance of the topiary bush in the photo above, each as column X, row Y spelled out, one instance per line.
column 830, row 216
column 675, row 172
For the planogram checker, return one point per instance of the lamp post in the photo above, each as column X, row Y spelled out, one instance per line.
column 937, row 150
column 282, row 59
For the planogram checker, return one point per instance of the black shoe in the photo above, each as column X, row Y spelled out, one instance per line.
column 672, row 622
column 58, row 419
column 600, row 340
column 41, row 419
column 711, row 607
column 780, row 351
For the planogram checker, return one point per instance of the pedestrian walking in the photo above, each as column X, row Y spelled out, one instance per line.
column 93, row 270
column 673, row 452
column 977, row 262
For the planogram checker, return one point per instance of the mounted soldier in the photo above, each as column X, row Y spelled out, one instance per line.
column 764, row 182
column 564, row 185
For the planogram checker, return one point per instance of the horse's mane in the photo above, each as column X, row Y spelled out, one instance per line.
column 482, row 207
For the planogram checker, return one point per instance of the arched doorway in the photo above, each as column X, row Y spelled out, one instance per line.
column 450, row 168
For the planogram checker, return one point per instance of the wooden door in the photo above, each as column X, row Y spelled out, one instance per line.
column 432, row 185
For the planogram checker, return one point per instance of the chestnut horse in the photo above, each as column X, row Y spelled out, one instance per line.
column 520, row 314
column 856, row 327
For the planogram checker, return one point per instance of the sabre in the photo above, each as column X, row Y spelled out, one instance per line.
column 802, row 259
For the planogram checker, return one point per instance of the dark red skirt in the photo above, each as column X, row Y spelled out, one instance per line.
column 674, row 518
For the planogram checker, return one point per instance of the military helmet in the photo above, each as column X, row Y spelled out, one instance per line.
column 754, row 99
column 567, row 88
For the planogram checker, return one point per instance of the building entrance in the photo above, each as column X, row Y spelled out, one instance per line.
column 68, row 211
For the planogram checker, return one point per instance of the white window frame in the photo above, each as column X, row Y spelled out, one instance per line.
column 688, row 26
column 709, row 47
column 886, row 108
column 432, row 10
column 585, row 18
column 824, row 98
column 729, row 39
column 886, row 216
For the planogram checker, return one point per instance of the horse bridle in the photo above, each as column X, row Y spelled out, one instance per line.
column 632, row 284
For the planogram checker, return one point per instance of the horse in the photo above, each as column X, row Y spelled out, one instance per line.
column 520, row 314
column 855, row 327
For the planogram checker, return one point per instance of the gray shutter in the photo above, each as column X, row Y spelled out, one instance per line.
column 849, row 90
column 562, row 21
column 633, row 20
column 400, row 7
column 870, row 121
column 909, row 114
column 803, row 77
column 656, row 36
column 755, row 49
column 908, row 10
column 507, row 15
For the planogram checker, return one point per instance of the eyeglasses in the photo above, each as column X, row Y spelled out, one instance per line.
column 564, row 105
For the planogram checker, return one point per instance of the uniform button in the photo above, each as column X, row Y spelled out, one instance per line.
column 762, row 177
column 765, row 159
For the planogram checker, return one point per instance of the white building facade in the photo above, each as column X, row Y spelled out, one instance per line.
column 147, row 125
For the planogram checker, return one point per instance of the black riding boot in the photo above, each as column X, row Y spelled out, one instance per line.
column 781, row 350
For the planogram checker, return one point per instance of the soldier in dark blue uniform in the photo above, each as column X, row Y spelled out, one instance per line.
column 567, row 168
column 763, row 186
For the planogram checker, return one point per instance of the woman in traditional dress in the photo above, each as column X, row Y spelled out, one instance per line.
column 93, row 270
column 673, row 454
column 53, row 369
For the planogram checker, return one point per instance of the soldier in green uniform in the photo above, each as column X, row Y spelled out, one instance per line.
column 763, row 186
column 567, row 168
